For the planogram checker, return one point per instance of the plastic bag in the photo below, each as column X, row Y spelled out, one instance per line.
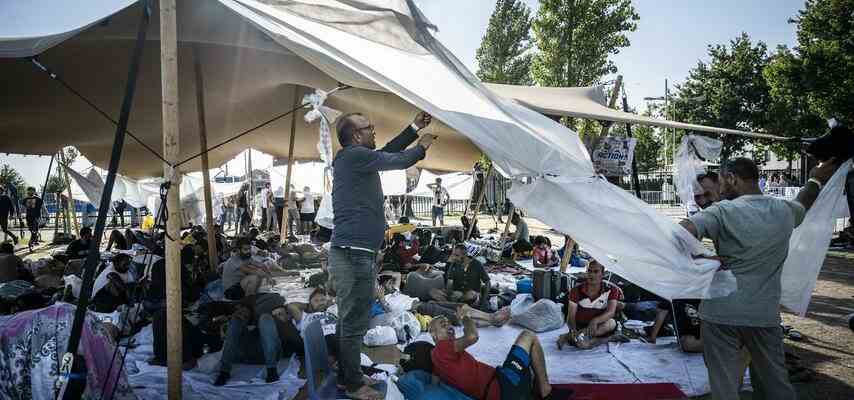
column 405, row 325
column 324, row 215
column 542, row 316
column 380, row 336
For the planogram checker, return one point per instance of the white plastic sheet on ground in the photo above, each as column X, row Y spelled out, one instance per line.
column 691, row 160
column 624, row 233
column 809, row 242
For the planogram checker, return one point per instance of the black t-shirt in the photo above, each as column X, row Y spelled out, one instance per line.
column 7, row 207
column 77, row 249
column 33, row 206
column 465, row 280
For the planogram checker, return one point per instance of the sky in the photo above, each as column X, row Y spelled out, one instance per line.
column 671, row 37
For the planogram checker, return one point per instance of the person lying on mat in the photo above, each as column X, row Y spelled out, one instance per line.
column 592, row 307
column 274, row 337
column 523, row 374
column 687, row 325
column 393, row 301
column 241, row 276
column 465, row 279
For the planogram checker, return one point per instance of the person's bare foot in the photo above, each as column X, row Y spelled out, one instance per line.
column 365, row 393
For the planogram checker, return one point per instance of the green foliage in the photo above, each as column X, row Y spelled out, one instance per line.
column 56, row 184
column 10, row 176
column 503, row 55
column 576, row 37
column 730, row 91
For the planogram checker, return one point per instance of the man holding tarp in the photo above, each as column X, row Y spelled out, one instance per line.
column 751, row 233
column 357, row 203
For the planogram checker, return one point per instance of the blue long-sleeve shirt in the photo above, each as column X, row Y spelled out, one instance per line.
column 357, row 195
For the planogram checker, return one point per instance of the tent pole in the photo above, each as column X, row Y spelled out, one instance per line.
column 251, row 200
column 72, row 209
column 480, row 197
column 71, row 362
column 213, row 257
column 286, row 216
column 507, row 226
column 171, row 142
column 567, row 253
column 635, row 180
column 46, row 180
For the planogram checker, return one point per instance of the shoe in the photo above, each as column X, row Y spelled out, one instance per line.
column 272, row 375
column 222, row 379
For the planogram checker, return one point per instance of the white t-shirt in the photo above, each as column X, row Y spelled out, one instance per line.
column 102, row 280
column 307, row 204
column 265, row 194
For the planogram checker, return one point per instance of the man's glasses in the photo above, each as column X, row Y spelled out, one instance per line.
column 370, row 128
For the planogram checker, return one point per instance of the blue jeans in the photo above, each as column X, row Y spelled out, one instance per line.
column 353, row 277
column 262, row 345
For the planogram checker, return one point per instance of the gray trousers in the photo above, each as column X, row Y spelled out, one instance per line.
column 722, row 350
column 353, row 277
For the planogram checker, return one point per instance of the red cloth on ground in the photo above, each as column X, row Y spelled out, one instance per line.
column 621, row 391
column 463, row 372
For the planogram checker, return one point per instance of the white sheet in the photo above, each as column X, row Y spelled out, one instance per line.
column 149, row 382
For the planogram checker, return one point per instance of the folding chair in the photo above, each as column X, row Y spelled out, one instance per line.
column 321, row 379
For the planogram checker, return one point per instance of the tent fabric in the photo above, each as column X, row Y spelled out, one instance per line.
column 520, row 142
column 809, row 242
column 692, row 157
column 458, row 185
column 590, row 103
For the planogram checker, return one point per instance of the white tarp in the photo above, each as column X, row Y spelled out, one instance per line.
column 519, row 141
column 692, row 158
column 809, row 242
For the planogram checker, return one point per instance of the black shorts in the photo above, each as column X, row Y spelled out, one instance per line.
column 306, row 217
column 515, row 376
column 235, row 292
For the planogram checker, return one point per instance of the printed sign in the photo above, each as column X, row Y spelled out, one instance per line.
column 614, row 156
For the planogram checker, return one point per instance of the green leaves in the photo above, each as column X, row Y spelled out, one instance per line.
column 576, row 37
column 503, row 55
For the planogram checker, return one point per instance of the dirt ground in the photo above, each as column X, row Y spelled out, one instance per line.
column 828, row 345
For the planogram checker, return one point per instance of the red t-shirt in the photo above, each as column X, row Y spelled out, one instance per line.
column 463, row 372
column 589, row 308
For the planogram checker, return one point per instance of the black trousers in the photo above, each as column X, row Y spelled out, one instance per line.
column 4, row 225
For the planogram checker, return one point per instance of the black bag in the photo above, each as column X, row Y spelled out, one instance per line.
column 418, row 357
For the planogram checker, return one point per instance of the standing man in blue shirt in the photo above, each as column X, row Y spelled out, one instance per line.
column 357, row 203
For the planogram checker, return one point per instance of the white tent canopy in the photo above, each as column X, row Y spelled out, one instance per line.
column 458, row 185
column 372, row 45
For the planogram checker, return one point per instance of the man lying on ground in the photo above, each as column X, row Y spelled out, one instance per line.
column 592, row 307
column 387, row 295
column 465, row 280
column 274, row 337
column 79, row 248
column 111, row 286
column 241, row 273
column 513, row 380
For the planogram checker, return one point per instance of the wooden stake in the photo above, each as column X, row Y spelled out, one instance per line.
column 171, row 140
column 286, row 216
column 213, row 258
column 480, row 197
column 507, row 226
column 567, row 253
column 72, row 209
column 594, row 141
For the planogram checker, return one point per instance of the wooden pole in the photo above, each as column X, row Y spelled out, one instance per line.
column 72, row 210
column 480, row 197
column 286, row 216
column 250, row 202
column 171, row 141
column 612, row 102
column 213, row 257
column 567, row 253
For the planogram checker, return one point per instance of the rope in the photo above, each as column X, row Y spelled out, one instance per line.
column 103, row 113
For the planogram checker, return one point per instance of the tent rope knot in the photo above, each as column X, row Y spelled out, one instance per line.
column 327, row 116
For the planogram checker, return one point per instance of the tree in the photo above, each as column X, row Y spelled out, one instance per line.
column 10, row 176
column 56, row 184
column 576, row 37
column 503, row 55
column 730, row 91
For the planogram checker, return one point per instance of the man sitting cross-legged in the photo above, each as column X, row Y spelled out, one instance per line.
column 592, row 307
column 465, row 279
column 513, row 380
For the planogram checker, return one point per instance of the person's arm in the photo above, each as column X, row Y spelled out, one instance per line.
column 660, row 317
column 470, row 335
column 401, row 141
column 366, row 160
column 689, row 226
column 821, row 173
column 608, row 314
column 296, row 310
